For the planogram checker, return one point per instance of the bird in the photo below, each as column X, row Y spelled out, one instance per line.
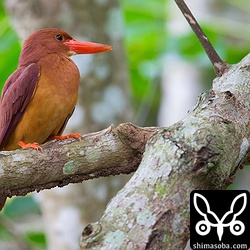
column 40, row 96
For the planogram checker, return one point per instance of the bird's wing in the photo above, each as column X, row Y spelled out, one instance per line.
column 16, row 95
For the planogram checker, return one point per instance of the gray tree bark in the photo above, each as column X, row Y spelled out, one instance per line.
column 112, row 151
column 202, row 151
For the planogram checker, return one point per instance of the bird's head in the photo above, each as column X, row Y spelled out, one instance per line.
column 51, row 40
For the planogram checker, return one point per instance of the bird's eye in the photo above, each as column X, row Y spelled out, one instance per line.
column 59, row 37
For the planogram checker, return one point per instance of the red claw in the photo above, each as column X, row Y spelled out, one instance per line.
column 33, row 145
column 64, row 137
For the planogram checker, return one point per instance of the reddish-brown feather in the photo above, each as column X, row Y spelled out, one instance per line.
column 16, row 95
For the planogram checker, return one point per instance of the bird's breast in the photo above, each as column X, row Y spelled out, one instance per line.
column 58, row 84
column 52, row 103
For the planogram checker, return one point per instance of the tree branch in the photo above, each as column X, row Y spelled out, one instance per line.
column 111, row 151
column 219, row 65
column 202, row 151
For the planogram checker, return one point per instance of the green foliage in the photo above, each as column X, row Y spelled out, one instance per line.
column 20, row 206
column 36, row 239
column 9, row 47
column 21, row 211
column 145, row 40
column 231, row 49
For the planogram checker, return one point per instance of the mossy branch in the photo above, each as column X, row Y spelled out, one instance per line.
column 202, row 151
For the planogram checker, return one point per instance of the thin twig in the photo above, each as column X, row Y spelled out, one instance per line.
column 219, row 65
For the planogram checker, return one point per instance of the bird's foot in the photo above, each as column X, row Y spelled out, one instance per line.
column 33, row 145
column 64, row 137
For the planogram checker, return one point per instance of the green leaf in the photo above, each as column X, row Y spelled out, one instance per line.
column 9, row 47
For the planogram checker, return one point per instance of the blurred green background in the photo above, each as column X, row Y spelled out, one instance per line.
column 147, row 41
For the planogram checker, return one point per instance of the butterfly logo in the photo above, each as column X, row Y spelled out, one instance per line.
column 210, row 219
